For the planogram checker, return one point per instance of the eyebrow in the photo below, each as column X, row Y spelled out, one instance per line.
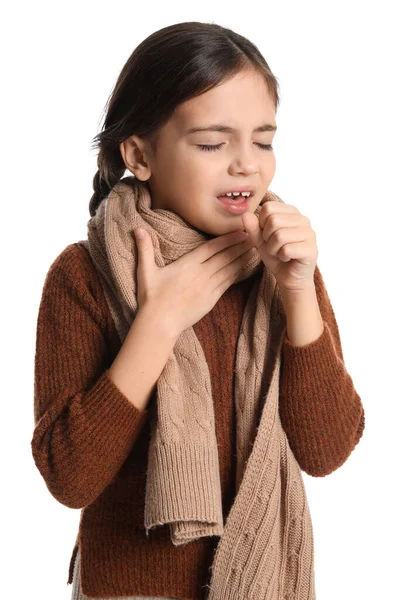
column 226, row 129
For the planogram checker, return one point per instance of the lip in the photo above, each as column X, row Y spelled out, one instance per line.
column 234, row 208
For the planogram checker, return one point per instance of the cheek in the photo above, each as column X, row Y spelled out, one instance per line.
column 190, row 173
column 272, row 166
column 200, row 172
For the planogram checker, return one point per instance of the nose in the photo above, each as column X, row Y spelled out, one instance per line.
column 244, row 161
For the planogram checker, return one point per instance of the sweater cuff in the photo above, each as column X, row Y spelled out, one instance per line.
column 111, row 413
column 317, row 356
column 320, row 410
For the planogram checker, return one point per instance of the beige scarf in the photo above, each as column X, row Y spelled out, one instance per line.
column 266, row 548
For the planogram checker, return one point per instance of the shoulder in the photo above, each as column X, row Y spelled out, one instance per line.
column 75, row 262
column 73, row 275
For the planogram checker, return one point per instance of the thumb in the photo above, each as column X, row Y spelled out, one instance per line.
column 145, row 250
column 252, row 226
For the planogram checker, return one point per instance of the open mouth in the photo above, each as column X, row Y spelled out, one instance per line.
column 236, row 199
column 235, row 206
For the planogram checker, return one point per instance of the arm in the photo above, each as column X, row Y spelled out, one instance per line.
column 85, row 425
column 142, row 358
column 304, row 323
column 320, row 410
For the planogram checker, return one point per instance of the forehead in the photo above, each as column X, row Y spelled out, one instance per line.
column 228, row 102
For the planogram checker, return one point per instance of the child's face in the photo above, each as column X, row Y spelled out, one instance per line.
column 185, row 179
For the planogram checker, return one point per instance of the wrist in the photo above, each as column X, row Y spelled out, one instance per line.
column 158, row 321
column 292, row 295
column 303, row 316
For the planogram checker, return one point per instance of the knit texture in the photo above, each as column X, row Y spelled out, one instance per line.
column 89, row 440
column 77, row 593
column 183, row 486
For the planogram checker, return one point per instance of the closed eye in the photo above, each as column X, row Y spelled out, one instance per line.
column 208, row 147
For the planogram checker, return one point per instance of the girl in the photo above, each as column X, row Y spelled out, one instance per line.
column 188, row 361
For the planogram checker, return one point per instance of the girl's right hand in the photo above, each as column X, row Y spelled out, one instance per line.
column 181, row 293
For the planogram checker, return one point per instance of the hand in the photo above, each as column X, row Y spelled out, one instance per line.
column 181, row 293
column 286, row 243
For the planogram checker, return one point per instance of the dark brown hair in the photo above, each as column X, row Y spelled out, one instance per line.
column 171, row 65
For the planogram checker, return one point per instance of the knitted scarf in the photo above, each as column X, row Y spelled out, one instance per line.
column 266, row 548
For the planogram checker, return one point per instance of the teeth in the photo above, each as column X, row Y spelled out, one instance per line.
column 245, row 194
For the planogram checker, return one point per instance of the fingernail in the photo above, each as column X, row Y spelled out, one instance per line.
column 139, row 233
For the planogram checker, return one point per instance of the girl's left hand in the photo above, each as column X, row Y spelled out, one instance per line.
column 286, row 243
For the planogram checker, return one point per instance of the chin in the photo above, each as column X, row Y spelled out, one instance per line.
column 225, row 230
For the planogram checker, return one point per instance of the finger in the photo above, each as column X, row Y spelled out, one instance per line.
column 252, row 226
column 273, row 207
column 301, row 251
column 145, row 250
column 289, row 218
column 208, row 249
column 228, row 274
column 284, row 236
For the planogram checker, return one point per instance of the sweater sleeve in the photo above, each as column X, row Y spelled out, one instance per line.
column 320, row 410
column 84, row 426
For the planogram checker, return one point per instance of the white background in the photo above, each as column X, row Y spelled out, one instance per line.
column 337, row 150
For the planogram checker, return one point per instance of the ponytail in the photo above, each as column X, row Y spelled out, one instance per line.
column 111, row 169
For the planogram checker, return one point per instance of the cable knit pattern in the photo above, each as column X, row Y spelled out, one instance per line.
column 183, row 481
column 91, row 444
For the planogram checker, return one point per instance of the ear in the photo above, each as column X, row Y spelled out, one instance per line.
column 134, row 155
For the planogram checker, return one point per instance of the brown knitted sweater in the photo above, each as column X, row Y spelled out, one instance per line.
column 90, row 443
